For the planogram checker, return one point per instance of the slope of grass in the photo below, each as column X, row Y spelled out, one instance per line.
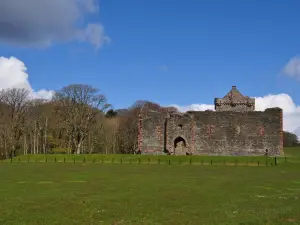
column 78, row 193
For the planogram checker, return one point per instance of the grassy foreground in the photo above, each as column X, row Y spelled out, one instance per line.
column 96, row 193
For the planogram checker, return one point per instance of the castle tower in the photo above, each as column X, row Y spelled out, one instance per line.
column 235, row 101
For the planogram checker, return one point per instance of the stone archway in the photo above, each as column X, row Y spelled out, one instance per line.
column 180, row 147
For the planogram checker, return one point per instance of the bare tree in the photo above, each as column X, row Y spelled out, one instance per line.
column 36, row 126
column 76, row 107
column 14, row 113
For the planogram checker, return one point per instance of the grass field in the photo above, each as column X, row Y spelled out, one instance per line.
column 115, row 193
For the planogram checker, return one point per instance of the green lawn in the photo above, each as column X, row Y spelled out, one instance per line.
column 292, row 151
column 106, row 193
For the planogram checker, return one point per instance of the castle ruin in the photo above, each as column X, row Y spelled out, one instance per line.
column 234, row 128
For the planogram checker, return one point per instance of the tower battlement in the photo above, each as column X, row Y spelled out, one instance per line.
column 235, row 101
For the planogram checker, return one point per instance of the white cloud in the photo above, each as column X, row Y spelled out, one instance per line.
column 291, row 111
column 13, row 75
column 195, row 107
column 297, row 132
column 94, row 34
column 292, row 68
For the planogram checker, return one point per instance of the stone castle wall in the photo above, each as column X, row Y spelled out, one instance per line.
column 212, row 133
column 235, row 108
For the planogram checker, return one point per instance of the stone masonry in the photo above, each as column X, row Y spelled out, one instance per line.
column 235, row 101
column 233, row 129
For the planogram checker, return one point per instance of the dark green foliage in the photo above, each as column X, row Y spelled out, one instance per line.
column 111, row 113
column 290, row 139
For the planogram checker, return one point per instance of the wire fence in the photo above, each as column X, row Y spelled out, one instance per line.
column 166, row 160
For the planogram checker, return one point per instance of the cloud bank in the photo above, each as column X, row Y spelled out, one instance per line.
column 291, row 111
column 13, row 75
column 40, row 23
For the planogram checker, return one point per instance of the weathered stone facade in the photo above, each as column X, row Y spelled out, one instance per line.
column 233, row 129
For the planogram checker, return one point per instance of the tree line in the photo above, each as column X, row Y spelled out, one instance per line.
column 78, row 119
column 290, row 139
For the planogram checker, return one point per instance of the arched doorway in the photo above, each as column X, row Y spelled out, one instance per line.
column 180, row 146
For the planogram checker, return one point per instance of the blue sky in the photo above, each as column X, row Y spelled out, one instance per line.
column 175, row 52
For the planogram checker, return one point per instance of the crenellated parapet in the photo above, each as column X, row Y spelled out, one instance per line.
column 235, row 101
